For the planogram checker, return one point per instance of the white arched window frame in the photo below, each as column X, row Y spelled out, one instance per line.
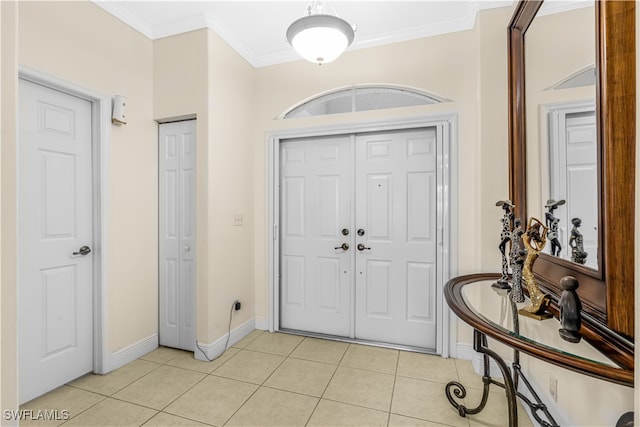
column 361, row 98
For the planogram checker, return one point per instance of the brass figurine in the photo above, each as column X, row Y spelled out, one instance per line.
column 534, row 240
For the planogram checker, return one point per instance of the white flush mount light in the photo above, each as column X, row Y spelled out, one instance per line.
column 320, row 37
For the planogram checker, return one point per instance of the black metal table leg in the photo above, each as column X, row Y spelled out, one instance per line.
column 455, row 390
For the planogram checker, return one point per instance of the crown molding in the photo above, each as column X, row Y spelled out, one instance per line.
column 286, row 54
column 125, row 16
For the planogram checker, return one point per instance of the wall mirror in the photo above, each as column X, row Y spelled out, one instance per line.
column 562, row 172
column 572, row 152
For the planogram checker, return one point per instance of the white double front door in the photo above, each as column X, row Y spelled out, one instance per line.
column 358, row 236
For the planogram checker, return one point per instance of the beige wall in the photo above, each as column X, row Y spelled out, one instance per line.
column 198, row 74
column 469, row 68
column 8, row 88
column 181, row 88
column 80, row 43
column 444, row 65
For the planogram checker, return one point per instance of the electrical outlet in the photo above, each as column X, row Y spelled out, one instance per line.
column 553, row 387
column 238, row 305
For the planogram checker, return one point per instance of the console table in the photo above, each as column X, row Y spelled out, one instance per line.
column 491, row 313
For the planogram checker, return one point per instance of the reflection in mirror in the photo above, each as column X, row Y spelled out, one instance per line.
column 561, row 128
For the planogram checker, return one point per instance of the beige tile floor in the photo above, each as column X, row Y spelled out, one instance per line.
column 277, row 380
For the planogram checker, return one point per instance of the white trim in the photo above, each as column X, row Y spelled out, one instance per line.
column 101, row 121
column 466, row 352
column 123, row 14
column 356, row 89
column 447, row 123
column 261, row 323
column 133, row 351
column 208, row 20
column 217, row 347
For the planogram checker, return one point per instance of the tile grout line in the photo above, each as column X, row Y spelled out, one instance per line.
column 393, row 388
column 107, row 396
column 260, row 386
column 327, row 386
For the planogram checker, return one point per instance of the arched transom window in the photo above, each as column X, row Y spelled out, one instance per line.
column 361, row 98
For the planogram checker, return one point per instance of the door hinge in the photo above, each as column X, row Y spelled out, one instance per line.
column 275, row 231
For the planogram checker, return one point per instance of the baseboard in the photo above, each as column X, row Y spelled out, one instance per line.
column 261, row 323
column 132, row 352
column 465, row 351
column 216, row 348
column 477, row 361
column 554, row 409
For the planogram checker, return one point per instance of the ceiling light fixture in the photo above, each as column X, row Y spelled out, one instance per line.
column 318, row 36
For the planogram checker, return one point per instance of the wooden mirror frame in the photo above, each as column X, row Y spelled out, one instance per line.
column 607, row 294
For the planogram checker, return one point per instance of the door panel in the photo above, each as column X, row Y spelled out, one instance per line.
column 177, row 234
column 397, row 210
column 315, row 206
column 573, row 155
column 55, row 286
column 582, row 173
column 387, row 188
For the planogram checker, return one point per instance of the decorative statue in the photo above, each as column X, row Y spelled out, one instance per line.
column 569, row 303
column 505, row 236
column 534, row 240
column 552, row 224
column 576, row 241
column 517, row 256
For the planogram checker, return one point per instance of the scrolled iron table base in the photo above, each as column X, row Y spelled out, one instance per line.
column 455, row 391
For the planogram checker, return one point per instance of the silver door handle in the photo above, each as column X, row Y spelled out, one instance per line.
column 344, row 247
column 187, row 248
column 85, row 250
column 362, row 247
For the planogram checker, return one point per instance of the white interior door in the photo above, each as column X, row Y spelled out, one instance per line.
column 381, row 189
column 574, row 177
column 396, row 253
column 55, row 276
column 315, row 206
column 177, row 234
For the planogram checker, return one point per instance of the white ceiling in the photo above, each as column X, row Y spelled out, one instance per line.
column 256, row 29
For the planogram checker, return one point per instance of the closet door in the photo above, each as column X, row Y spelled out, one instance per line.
column 177, row 143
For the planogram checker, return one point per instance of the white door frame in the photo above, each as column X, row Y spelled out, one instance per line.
column 447, row 184
column 100, row 122
column 549, row 130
